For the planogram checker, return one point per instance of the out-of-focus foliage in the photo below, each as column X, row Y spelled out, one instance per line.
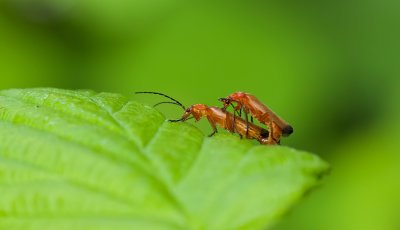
column 329, row 68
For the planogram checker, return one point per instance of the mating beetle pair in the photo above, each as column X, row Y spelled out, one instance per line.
column 245, row 102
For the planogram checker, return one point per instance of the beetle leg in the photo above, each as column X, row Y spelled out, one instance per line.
column 214, row 127
column 247, row 123
column 212, row 134
column 271, row 139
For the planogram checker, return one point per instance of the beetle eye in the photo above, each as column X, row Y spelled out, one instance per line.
column 225, row 100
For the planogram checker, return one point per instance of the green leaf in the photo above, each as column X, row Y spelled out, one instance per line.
column 86, row 160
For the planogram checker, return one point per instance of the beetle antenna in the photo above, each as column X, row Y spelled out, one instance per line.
column 176, row 101
column 167, row 102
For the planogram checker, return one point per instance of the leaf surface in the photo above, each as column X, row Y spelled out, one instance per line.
column 87, row 160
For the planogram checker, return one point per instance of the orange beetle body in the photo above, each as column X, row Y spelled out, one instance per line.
column 226, row 121
column 250, row 104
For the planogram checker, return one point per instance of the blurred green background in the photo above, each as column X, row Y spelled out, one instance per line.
column 331, row 69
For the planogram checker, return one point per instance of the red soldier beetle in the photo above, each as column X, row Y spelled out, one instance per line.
column 250, row 104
